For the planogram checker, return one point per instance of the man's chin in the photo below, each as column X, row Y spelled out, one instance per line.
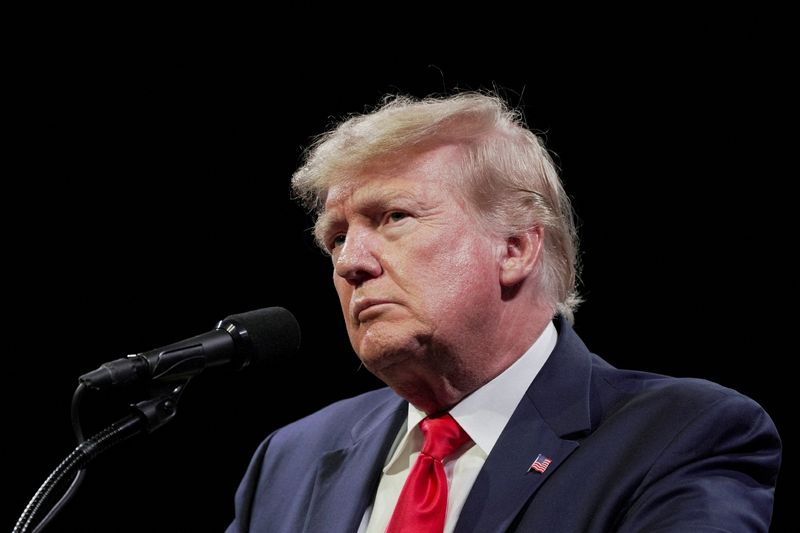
column 381, row 352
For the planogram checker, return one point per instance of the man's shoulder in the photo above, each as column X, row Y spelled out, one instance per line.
column 682, row 397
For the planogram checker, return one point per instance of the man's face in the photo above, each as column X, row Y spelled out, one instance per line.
column 415, row 274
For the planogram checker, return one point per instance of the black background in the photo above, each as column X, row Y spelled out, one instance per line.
column 147, row 197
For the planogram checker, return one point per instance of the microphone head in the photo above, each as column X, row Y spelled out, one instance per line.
column 262, row 335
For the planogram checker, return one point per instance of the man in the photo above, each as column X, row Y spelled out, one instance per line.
column 454, row 259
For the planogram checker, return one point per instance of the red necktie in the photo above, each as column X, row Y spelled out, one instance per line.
column 422, row 503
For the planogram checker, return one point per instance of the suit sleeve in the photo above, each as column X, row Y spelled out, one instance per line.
column 717, row 474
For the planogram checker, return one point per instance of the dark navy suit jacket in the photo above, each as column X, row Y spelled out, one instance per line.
column 630, row 451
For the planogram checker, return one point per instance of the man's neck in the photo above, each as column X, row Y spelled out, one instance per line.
column 437, row 381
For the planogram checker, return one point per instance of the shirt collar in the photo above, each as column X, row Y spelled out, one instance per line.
column 485, row 413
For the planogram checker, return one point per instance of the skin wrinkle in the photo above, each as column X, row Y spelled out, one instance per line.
column 439, row 326
column 370, row 200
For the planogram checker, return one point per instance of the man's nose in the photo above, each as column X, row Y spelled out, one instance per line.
column 358, row 257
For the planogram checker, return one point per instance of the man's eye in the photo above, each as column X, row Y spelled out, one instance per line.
column 338, row 240
column 397, row 216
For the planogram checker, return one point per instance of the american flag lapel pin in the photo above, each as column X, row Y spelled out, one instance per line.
column 540, row 464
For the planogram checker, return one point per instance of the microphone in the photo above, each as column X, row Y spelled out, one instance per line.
column 235, row 343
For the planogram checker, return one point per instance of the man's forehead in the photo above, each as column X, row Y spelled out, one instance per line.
column 339, row 191
column 416, row 175
column 376, row 190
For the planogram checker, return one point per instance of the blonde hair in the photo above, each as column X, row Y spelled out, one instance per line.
column 506, row 172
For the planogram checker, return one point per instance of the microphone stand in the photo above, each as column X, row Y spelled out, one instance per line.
column 148, row 415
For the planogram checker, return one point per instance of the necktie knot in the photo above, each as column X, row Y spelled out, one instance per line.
column 422, row 505
column 443, row 436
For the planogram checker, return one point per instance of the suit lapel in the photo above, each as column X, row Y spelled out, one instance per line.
column 555, row 407
column 506, row 481
column 347, row 478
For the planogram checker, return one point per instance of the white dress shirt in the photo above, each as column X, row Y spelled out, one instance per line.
column 483, row 415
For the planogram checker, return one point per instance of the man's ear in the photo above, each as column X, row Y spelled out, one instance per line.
column 520, row 256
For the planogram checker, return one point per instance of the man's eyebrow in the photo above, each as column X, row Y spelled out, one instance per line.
column 383, row 197
column 364, row 201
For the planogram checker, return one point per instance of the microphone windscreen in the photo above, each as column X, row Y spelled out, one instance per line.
column 272, row 332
